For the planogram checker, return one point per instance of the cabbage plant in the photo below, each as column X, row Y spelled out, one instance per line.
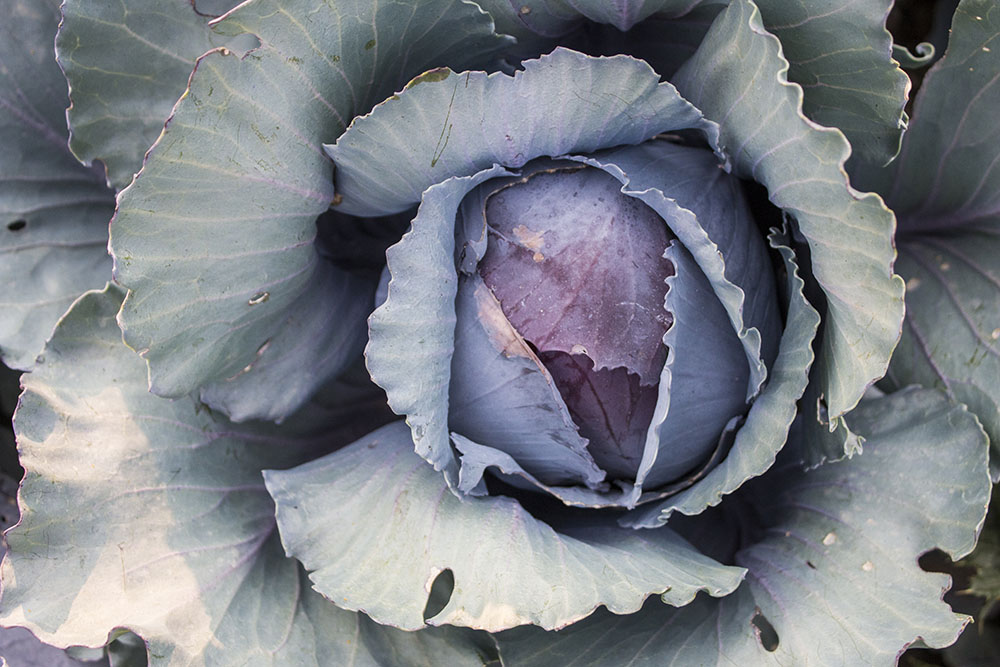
column 453, row 332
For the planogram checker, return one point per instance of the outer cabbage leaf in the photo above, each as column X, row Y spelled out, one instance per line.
column 447, row 124
column 127, row 62
column 532, row 19
column 948, row 173
column 738, row 78
column 535, row 23
column 151, row 514
column 53, row 210
column 945, row 188
column 841, row 55
column 216, row 237
column 951, row 336
column 624, row 14
column 832, row 557
column 509, row 568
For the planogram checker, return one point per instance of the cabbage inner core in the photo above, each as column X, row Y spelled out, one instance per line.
column 578, row 269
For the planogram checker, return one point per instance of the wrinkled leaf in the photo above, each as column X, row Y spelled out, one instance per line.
column 737, row 73
column 765, row 430
column 946, row 176
column 842, row 57
column 216, row 237
column 508, row 567
column 832, row 564
column 151, row 514
column 446, row 124
column 53, row 211
column 412, row 334
column 501, row 395
column 127, row 62
column 945, row 187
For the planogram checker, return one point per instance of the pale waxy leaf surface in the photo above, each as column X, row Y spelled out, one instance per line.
column 841, row 55
column 834, row 567
column 446, row 124
column 554, row 18
column 412, row 334
column 624, row 14
column 151, row 514
column 509, row 568
column 501, row 395
column 948, row 172
column 216, row 237
column 951, row 336
column 127, row 62
column 702, row 385
column 765, row 429
column 738, row 78
column 945, row 188
column 54, row 211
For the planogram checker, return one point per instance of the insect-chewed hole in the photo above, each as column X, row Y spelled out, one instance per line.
column 17, row 225
column 441, row 590
column 765, row 632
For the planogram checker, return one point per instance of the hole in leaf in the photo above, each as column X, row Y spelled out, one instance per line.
column 765, row 632
column 259, row 297
column 17, row 225
column 441, row 590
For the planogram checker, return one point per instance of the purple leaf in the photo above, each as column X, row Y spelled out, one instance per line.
column 578, row 268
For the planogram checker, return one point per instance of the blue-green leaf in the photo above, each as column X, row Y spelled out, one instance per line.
column 53, row 211
column 738, row 78
column 946, row 176
column 945, row 188
column 151, row 514
column 624, row 14
column 509, row 568
column 446, row 124
column 832, row 564
column 127, row 62
column 951, row 336
column 554, row 18
column 216, row 237
column 841, row 55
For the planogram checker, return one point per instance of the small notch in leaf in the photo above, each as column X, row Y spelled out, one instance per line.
column 17, row 225
column 765, row 632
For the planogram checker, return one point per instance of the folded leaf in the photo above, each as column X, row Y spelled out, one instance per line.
column 842, row 57
column 832, row 557
column 216, row 238
column 53, row 211
column 509, row 568
column 738, row 78
column 446, row 124
column 151, row 514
